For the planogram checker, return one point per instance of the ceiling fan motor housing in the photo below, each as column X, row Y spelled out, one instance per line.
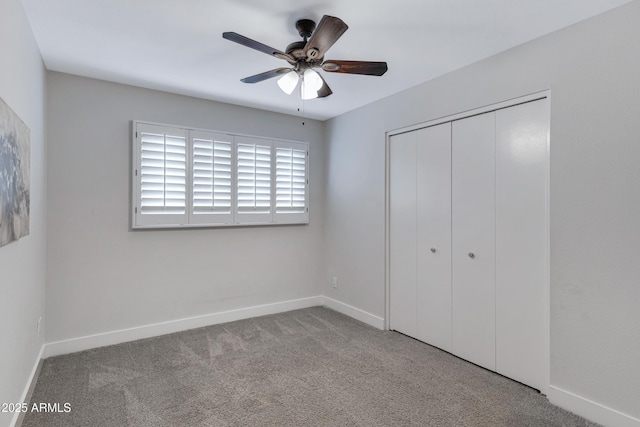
column 296, row 49
column 305, row 27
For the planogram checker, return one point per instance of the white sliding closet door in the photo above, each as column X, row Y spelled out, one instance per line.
column 433, row 248
column 521, row 247
column 473, row 239
column 402, row 233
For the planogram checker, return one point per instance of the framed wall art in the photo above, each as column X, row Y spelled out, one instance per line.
column 15, row 153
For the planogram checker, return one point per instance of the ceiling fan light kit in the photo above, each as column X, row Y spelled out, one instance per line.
column 311, row 84
column 288, row 82
column 305, row 55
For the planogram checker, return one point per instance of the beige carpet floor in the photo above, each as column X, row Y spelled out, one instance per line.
column 311, row 367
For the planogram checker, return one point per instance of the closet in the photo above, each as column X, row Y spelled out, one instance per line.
column 468, row 253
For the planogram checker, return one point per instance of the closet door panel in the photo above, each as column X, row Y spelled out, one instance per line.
column 473, row 239
column 402, row 233
column 434, row 235
column 521, row 247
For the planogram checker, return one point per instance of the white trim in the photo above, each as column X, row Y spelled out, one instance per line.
column 387, row 232
column 589, row 409
column 547, row 278
column 28, row 389
column 356, row 313
column 230, row 133
column 569, row 401
column 473, row 112
column 147, row 331
column 156, row 329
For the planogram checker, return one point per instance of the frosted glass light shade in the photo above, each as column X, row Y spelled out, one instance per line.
column 311, row 84
column 288, row 82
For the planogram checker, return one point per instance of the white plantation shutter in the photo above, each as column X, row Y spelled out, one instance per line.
column 162, row 175
column 291, row 182
column 197, row 178
column 212, row 178
column 253, row 191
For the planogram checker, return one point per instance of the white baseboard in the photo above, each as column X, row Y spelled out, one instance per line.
column 590, row 410
column 147, row 331
column 579, row 405
column 28, row 389
column 356, row 313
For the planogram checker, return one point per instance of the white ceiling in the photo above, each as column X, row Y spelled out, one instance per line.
column 177, row 45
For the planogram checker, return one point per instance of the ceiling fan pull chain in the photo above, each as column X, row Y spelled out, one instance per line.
column 301, row 99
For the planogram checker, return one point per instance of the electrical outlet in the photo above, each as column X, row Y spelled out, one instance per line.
column 334, row 282
column 38, row 325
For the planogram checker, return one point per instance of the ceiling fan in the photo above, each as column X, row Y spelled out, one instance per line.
column 305, row 55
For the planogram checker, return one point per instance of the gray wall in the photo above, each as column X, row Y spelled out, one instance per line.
column 593, row 72
column 22, row 263
column 102, row 277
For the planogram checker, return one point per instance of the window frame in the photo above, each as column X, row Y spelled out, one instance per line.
column 235, row 217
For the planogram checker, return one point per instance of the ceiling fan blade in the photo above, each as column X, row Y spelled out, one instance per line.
column 355, row 67
column 246, row 41
column 266, row 75
column 324, row 36
column 325, row 90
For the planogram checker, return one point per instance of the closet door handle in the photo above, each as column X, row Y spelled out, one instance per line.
column 472, row 255
column 433, row 250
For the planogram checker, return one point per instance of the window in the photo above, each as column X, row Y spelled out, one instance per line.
column 196, row 178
